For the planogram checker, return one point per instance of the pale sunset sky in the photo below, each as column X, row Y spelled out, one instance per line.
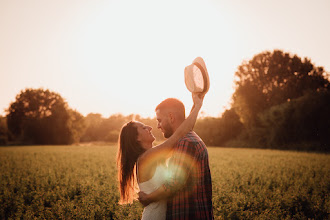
column 119, row 56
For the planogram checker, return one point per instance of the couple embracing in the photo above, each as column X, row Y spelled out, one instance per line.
column 173, row 177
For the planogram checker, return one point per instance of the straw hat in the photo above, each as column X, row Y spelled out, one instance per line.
column 196, row 76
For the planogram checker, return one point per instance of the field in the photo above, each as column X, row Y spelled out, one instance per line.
column 79, row 182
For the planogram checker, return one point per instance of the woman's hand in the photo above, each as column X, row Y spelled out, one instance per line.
column 198, row 99
column 143, row 198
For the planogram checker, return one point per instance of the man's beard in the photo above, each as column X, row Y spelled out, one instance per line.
column 168, row 131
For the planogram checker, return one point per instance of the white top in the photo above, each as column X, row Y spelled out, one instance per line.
column 155, row 210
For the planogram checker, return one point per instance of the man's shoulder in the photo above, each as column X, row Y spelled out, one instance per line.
column 191, row 138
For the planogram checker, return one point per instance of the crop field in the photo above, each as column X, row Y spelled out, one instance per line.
column 79, row 182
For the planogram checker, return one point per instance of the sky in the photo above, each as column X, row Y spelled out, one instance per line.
column 126, row 56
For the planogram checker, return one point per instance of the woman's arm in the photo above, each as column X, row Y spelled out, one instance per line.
column 186, row 126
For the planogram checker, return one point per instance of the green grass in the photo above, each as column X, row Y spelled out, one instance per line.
column 75, row 182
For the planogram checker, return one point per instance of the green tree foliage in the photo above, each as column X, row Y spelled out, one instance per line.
column 214, row 131
column 40, row 116
column 77, row 125
column 3, row 131
column 272, row 78
column 108, row 129
column 103, row 129
column 300, row 121
column 282, row 101
column 208, row 130
column 217, row 131
column 92, row 131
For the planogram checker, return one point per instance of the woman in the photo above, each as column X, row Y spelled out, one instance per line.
column 139, row 162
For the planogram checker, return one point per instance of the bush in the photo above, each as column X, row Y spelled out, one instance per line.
column 300, row 122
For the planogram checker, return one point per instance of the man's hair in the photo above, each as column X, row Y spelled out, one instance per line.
column 172, row 104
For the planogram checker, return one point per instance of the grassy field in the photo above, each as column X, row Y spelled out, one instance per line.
column 79, row 182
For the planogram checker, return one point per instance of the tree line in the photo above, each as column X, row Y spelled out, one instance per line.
column 280, row 101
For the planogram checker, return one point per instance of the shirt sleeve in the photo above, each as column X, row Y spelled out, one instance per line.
column 180, row 166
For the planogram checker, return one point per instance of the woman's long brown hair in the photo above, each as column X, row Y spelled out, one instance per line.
column 129, row 150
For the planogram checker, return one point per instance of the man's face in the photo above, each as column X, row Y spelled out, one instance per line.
column 164, row 123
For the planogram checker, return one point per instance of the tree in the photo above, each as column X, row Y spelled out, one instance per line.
column 108, row 129
column 40, row 116
column 3, row 131
column 272, row 78
column 209, row 129
column 77, row 125
column 231, row 125
column 93, row 122
column 300, row 121
column 218, row 131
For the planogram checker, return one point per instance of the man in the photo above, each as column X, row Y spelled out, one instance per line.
column 188, row 189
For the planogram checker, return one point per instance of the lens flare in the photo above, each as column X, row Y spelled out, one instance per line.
column 181, row 168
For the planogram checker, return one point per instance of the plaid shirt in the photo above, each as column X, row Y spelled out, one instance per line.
column 189, row 181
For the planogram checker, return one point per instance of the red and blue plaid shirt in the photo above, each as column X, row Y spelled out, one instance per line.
column 189, row 181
